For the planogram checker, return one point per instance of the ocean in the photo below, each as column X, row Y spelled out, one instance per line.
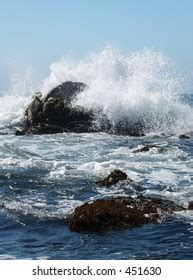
column 43, row 178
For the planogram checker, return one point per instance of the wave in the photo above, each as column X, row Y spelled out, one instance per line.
column 142, row 87
column 15, row 99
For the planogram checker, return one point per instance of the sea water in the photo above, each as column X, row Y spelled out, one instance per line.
column 43, row 178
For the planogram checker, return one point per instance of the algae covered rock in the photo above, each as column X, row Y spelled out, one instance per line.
column 117, row 213
column 103, row 215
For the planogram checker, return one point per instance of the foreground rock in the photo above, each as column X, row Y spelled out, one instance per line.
column 113, row 178
column 105, row 215
column 117, row 213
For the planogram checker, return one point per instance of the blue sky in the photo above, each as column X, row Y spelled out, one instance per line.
column 42, row 31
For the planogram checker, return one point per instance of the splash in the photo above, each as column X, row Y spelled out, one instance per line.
column 140, row 88
column 14, row 100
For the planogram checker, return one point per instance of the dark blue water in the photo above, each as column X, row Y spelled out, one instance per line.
column 41, row 239
column 43, row 178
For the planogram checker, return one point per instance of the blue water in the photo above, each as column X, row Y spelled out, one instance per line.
column 43, row 178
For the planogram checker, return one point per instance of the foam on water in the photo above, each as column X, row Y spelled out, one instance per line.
column 37, row 207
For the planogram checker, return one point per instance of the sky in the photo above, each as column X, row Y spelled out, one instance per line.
column 43, row 31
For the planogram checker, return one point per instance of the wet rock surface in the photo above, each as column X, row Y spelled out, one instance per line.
column 54, row 113
column 105, row 215
column 144, row 149
column 148, row 147
column 113, row 178
column 190, row 205
column 184, row 136
column 67, row 91
column 117, row 213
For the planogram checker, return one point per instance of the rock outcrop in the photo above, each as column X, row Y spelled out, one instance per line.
column 113, row 178
column 54, row 113
column 117, row 213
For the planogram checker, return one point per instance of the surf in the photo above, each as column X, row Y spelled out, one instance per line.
column 143, row 88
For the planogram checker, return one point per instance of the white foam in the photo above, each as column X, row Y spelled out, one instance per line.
column 13, row 102
column 58, row 171
column 139, row 86
column 7, row 257
column 37, row 206
column 163, row 176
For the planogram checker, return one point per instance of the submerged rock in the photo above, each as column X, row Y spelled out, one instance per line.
column 143, row 149
column 19, row 132
column 147, row 148
column 120, row 213
column 113, row 178
column 184, row 136
column 134, row 129
column 190, row 205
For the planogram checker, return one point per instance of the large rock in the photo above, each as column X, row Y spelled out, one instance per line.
column 104, row 215
column 120, row 213
column 54, row 113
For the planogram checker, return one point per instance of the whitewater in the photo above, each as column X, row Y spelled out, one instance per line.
column 44, row 177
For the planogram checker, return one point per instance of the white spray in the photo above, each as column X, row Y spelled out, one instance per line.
column 142, row 86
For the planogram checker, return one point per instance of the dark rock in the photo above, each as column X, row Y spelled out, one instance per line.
column 131, row 129
column 66, row 91
column 20, row 132
column 40, row 129
column 190, row 205
column 56, row 110
column 54, row 113
column 103, row 215
column 45, row 129
column 34, row 110
column 143, row 149
column 184, row 136
column 120, row 213
column 150, row 204
column 147, row 148
column 113, row 178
